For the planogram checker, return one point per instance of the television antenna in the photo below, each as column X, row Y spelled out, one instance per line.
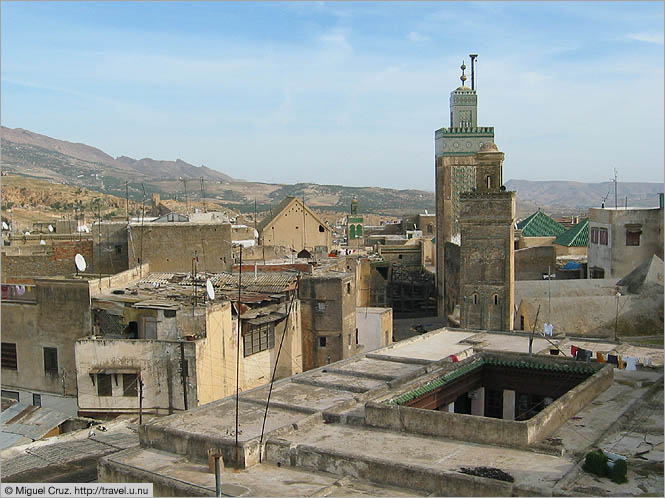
column 80, row 263
column 210, row 290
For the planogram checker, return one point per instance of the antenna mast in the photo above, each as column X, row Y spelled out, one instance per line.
column 615, row 189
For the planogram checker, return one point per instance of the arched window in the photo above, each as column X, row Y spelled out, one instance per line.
column 495, row 299
column 488, row 181
column 359, row 230
column 429, row 228
column 474, row 298
column 352, row 231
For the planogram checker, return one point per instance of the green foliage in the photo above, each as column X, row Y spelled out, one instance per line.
column 56, row 205
column 596, row 463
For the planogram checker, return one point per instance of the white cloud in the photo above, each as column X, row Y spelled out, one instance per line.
column 647, row 37
column 416, row 37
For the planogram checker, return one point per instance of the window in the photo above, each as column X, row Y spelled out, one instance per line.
column 258, row 338
column 348, row 288
column 429, row 228
column 130, row 385
column 633, row 237
column 118, row 249
column 495, row 299
column 104, row 387
column 350, row 341
column 359, row 230
column 320, row 306
column 474, row 299
column 594, row 235
column 603, row 236
column 321, row 229
column 488, row 181
column 51, row 360
column 169, row 313
column 356, row 336
column 9, row 360
column 10, row 394
column 37, row 400
column 322, row 342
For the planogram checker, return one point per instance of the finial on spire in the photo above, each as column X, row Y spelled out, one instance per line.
column 463, row 77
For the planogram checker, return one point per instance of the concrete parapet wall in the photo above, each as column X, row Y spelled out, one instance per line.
column 555, row 415
column 444, row 424
column 435, row 481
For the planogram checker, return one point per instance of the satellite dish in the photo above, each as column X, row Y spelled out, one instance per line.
column 26, row 233
column 42, row 242
column 5, row 226
column 50, row 228
column 210, row 290
column 79, row 260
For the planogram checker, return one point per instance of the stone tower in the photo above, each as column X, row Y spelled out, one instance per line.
column 487, row 276
column 457, row 170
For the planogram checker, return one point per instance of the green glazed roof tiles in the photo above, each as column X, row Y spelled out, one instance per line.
column 540, row 225
column 479, row 362
column 577, row 236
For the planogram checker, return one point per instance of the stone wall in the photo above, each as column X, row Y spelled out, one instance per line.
column 54, row 258
column 172, row 246
column 531, row 263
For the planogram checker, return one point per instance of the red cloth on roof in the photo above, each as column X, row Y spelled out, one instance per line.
column 455, row 360
column 573, row 351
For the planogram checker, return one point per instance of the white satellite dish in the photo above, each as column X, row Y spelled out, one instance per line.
column 50, row 228
column 26, row 233
column 5, row 226
column 210, row 290
column 42, row 242
column 79, row 260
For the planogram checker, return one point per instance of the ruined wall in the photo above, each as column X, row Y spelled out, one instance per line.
column 533, row 262
column 405, row 255
column 172, row 246
column 54, row 258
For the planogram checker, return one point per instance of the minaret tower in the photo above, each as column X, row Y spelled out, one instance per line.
column 456, row 165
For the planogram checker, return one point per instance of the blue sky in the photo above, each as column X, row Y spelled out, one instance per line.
column 342, row 92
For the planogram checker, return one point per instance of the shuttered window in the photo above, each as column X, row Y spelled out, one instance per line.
column 258, row 338
column 9, row 360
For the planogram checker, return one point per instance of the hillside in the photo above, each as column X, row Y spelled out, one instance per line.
column 38, row 156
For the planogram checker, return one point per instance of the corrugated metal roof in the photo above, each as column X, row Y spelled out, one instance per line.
column 540, row 225
column 33, row 422
column 268, row 282
column 7, row 439
column 577, row 236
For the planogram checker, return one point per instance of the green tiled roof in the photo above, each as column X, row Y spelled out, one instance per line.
column 577, row 236
column 540, row 225
column 479, row 362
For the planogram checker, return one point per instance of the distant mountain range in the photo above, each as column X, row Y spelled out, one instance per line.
column 38, row 156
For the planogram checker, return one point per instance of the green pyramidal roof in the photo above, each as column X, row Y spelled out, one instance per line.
column 540, row 225
column 577, row 236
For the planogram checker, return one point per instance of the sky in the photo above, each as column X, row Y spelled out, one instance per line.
column 346, row 93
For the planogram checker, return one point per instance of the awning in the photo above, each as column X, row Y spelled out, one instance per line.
column 114, row 370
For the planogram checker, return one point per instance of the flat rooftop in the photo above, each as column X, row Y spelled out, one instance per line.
column 317, row 441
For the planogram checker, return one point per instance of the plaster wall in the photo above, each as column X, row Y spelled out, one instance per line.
column 54, row 258
column 375, row 327
column 616, row 258
column 296, row 228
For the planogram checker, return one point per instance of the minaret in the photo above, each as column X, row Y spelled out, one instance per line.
column 456, row 165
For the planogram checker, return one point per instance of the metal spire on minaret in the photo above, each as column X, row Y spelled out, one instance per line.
column 463, row 77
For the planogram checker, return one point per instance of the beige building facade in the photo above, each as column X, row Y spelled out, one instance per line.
column 294, row 225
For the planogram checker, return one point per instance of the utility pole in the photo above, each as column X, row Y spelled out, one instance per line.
column 615, row 189
column 237, row 462
column 203, row 196
column 616, row 319
column 184, row 182
column 127, row 200
column 140, row 379
column 183, row 373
